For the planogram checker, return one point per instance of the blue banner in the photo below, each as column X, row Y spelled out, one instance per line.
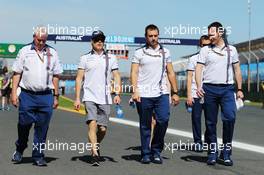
column 123, row 39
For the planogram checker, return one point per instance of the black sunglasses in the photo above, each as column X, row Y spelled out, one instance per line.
column 205, row 45
column 99, row 38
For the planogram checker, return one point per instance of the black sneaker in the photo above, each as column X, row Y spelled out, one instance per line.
column 17, row 157
column 98, row 152
column 95, row 161
column 101, row 158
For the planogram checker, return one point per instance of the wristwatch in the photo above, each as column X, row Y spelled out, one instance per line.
column 174, row 92
column 56, row 95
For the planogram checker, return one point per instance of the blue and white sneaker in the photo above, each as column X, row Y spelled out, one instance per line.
column 212, row 158
column 7, row 108
column 17, row 157
column 145, row 160
column 225, row 157
column 157, row 159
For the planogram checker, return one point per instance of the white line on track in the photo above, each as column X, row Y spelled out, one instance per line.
column 236, row 144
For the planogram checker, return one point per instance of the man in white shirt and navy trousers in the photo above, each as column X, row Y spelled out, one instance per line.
column 221, row 64
column 151, row 68
column 36, row 72
column 193, row 100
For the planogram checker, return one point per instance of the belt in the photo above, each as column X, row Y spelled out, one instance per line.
column 45, row 92
column 218, row 85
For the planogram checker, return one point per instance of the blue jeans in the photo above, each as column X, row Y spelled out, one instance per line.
column 160, row 105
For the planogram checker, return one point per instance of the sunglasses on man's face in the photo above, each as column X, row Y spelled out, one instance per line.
column 98, row 39
column 205, row 45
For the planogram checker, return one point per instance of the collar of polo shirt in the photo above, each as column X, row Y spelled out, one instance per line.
column 220, row 50
column 33, row 46
column 146, row 47
column 221, row 47
column 156, row 49
column 96, row 53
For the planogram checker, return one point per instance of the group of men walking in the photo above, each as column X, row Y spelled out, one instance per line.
column 37, row 69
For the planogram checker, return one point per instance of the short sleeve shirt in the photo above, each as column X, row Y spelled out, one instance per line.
column 96, row 86
column 192, row 62
column 150, row 71
column 217, row 68
column 34, row 67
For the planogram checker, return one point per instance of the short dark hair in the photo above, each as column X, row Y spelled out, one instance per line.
column 151, row 27
column 217, row 25
column 203, row 37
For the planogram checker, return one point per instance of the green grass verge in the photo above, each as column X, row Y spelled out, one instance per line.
column 257, row 104
column 66, row 103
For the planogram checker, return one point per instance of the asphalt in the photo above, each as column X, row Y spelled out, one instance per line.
column 121, row 147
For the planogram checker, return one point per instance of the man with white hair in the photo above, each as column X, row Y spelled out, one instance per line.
column 36, row 72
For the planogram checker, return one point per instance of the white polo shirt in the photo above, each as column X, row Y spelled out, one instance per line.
column 96, row 85
column 192, row 62
column 215, row 60
column 34, row 71
column 150, row 70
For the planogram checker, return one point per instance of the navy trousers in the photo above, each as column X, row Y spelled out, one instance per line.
column 197, row 109
column 160, row 105
column 37, row 109
column 223, row 96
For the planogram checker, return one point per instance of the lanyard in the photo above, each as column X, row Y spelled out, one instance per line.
column 228, row 60
column 48, row 65
column 106, row 73
column 228, row 63
column 163, row 64
column 40, row 58
column 163, row 69
column 48, row 62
